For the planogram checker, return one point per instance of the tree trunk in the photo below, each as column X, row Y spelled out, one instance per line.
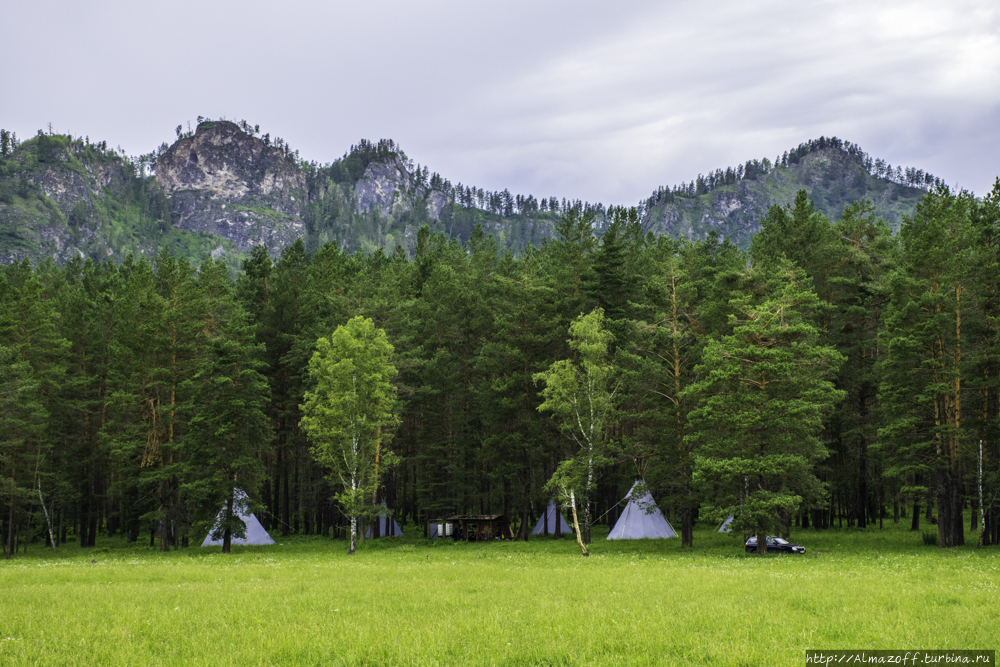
column 957, row 506
column 92, row 539
column 761, row 544
column 525, row 516
column 164, row 535
column 861, row 501
column 285, row 515
column 687, row 512
column 944, row 510
column 354, row 536
column 687, row 527
column 227, row 536
column 9, row 550
column 84, row 517
column 576, row 524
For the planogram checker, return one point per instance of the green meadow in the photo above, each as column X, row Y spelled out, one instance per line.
column 413, row 602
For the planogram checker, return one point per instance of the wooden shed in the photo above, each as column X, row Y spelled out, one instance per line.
column 480, row 527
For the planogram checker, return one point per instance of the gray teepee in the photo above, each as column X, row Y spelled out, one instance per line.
column 635, row 523
column 387, row 526
column 256, row 534
column 725, row 528
column 551, row 516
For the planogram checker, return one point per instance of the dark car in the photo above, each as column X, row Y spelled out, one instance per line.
column 775, row 544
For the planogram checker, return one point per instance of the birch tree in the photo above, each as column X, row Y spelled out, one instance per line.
column 578, row 392
column 349, row 414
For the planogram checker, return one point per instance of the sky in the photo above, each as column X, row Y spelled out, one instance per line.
column 585, row 100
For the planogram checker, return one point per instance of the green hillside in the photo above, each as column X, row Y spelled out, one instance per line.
column 832, row 175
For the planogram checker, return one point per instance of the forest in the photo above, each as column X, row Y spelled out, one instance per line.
column 834, row 374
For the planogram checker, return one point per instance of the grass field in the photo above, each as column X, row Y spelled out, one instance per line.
column 412, row 602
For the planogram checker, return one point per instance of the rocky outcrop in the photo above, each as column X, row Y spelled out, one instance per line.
column 436, row 201
column 387, row 186
column 383, row 186
column 732, row 213
column 226, row 182
column 67, row 188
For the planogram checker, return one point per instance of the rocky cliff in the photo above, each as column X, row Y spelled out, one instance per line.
column 226, row 182
column 389, row 187
column 374, row 197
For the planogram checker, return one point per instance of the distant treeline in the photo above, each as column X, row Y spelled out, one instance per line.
column 832, row 375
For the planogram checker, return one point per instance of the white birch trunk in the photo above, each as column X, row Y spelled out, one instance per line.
column 52, row 540
column 576, row 524
column 982, row 512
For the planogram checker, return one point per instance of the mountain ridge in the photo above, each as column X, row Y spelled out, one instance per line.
column 220, row 190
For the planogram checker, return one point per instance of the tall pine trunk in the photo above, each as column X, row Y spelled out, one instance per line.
column 227, row 536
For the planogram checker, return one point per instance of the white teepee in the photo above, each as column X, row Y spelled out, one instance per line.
column 550, row 517
column 387, row 526
column 256, row 534
column 635, row 523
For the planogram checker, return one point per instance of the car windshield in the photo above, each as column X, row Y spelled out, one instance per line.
column 778, row 540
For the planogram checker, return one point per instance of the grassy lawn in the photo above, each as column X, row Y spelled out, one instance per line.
column 411, row 602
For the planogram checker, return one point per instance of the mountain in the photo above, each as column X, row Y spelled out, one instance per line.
column 222, row 189
column 834, row 174
column 224, row 182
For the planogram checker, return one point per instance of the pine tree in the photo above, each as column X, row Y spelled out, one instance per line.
column 761, row 404
column 230, row 434
column 927, row 362
column 521, row 442
column 22, row 423
column 35, row 366
column 681, row 294
column 985, row 331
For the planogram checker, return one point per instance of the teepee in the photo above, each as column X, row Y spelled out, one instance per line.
column 635, row 523
column 725, row 527
column 256, row 534
column 387, row 526
column 551, row 516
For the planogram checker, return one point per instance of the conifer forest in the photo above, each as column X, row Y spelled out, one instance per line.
column 833, row 374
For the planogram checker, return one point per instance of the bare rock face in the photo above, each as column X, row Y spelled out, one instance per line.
column 227, row 182
column 388, row 187
column 384, row 187
column 66, row 188
column 436, row 201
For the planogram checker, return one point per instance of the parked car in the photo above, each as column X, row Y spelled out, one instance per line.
column 775, row 544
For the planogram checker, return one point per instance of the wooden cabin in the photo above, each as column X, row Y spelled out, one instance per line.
column 479, row 527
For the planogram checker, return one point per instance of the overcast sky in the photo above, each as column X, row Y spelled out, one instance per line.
column 592, row 100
